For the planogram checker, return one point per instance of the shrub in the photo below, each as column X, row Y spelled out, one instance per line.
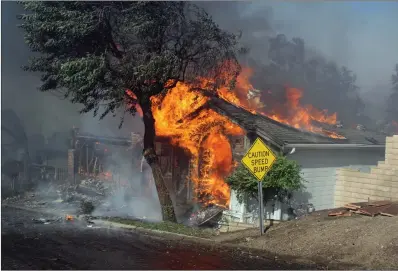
column 283, row 178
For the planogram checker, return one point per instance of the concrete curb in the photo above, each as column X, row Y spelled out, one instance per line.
column 178, row 237
column 164, row 234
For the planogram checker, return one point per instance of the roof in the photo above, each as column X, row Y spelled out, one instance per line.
column 281, row 135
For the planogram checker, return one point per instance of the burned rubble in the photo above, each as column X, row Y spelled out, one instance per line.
column 375, row 208
column 209, row 216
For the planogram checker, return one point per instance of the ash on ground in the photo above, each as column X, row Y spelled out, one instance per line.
column 105, row 198
column 97, row 198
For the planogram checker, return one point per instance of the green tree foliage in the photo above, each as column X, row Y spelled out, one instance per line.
column 283, row 178
column 95, row 51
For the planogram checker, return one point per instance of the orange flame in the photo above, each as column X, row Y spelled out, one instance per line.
column 182, row 117
column 301, row 117
column 204, row 136
column 291, row 113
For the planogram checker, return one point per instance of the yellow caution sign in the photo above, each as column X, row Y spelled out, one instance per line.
column 259, row 159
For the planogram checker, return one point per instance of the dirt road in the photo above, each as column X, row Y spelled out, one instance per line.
column 64, row 245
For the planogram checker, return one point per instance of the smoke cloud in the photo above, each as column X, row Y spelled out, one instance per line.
column 359, row 35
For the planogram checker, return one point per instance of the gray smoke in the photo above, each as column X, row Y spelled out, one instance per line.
column 40, row 112
column 361, row 36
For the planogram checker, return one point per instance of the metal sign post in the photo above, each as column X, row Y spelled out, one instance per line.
column 259, row 159
column 261, row 207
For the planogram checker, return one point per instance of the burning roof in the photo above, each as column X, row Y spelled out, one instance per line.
column 201, row 123
column 282, row 134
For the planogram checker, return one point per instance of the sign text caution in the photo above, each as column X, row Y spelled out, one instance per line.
column 259, row 159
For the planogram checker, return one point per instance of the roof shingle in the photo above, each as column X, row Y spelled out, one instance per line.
column 283, row 134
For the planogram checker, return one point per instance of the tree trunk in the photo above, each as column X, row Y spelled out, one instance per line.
column 166, row 204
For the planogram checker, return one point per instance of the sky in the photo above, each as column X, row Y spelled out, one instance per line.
column 361, row 35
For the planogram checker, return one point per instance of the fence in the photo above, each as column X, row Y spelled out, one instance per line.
column 380, row 184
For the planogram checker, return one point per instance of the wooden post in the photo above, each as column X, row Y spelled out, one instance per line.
column 71, row 166
column 74, row 134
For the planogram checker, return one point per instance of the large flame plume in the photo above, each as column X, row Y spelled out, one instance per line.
column 181, row 116
column 203, row 135
column 291, row 112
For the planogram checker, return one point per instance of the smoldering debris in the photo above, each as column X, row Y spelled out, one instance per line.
column 94, row 197
column 95, row 187
column 209, row 216
column 46, row 221
column 98, row 199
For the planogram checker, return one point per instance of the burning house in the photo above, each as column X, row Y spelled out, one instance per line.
column 215, row 129
column 201, row 137
column 319, row 154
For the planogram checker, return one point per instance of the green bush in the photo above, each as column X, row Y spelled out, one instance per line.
column 283, row 178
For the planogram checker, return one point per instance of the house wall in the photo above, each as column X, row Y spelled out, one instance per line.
column 246, row 212
column 319, row 169
column 381, row 183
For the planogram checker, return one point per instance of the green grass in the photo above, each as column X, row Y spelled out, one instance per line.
column 166, row 226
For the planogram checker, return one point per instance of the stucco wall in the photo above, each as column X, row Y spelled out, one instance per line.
column 319, row 187
column 381, row 183
column 319, row 169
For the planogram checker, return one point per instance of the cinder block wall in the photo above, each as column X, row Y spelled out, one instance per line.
column 380, row 184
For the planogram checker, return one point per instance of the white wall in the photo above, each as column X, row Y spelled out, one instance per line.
column 236, row 210
column 319, row 170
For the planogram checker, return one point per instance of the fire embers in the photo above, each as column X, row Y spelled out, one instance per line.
column 69, row 218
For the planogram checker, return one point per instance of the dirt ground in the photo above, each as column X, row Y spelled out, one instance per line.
column 356, row 242
column 60, row 245
column 359, row 241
